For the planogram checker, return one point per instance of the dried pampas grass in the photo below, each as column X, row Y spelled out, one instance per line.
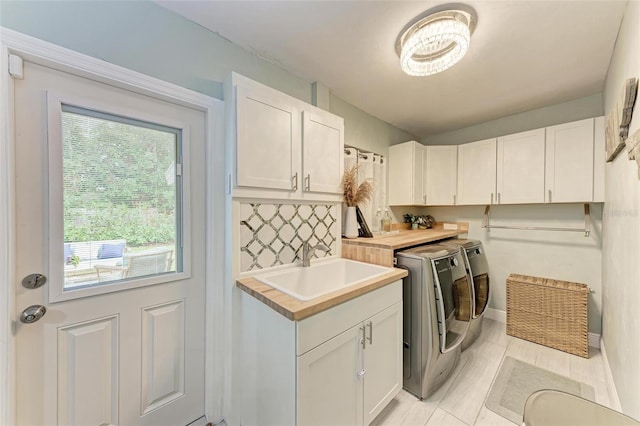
column 353, row 193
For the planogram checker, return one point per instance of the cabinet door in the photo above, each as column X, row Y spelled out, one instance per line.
column 322, row 152
column 268, row 139
column 477, row 172
column 520, row 172
column 383, row 360
column 569, row 162
column 441, row 175
column 406, row 174
column 329, row 388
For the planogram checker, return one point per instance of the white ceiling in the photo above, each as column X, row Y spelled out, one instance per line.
column 524, row 54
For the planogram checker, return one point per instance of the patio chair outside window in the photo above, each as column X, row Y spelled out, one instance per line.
column 137, row 265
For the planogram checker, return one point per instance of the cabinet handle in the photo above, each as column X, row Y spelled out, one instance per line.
column 454, row 200
column 360, row 374
column 492, row 198
column 424, row 198
column 307, row 186
column 549, row 195
column 294, row 182
column 498, row 198
column 370, row 338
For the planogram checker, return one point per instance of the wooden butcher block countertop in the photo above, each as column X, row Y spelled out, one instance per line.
column 380, row 249
column 410, row 237
column 296, row 310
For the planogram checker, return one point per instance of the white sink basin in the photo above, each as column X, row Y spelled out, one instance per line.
column 321, row 278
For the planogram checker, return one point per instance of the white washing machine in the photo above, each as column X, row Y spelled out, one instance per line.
column 478, row 269
column 437, row 311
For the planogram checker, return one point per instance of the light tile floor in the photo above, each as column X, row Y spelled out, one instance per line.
column 460, row 400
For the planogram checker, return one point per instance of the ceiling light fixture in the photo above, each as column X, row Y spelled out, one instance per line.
column 437, row 41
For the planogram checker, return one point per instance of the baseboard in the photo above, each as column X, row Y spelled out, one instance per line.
column 614, row 401
column 496, row 315
column 594, row 340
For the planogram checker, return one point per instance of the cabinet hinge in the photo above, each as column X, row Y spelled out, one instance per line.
column 16, row 67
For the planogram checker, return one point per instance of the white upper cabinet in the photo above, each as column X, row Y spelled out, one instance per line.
column 520, row 168
column 569, row 174
column 477, row 172
column 441, row 175
column 322, row 152
column 268, row 139
column 283, row 147
column 407, row 174
column 558, row 164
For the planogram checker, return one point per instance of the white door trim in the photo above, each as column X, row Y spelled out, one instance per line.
column 44, row 53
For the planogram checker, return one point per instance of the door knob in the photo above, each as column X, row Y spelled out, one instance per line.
column 32, row 314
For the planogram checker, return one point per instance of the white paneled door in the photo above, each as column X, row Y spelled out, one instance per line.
column 110, row 209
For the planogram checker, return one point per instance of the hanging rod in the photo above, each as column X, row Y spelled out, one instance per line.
column 586, row 229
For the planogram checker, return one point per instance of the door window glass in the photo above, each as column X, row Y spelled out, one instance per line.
column 121, row 197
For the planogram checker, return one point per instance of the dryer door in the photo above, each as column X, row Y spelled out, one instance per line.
column 453, row 300
column 480, row 272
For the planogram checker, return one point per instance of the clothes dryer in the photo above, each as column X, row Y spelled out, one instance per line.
column 437, row 311
column 478, row 269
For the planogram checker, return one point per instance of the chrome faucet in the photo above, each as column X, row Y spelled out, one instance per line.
column 307, row 252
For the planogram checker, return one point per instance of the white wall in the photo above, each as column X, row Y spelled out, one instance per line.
column 561, row 255
column 621, row 222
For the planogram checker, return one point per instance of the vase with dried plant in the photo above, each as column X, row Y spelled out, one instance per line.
column 354, row 194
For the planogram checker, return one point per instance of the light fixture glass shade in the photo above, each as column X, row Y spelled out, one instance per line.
column 435, row 43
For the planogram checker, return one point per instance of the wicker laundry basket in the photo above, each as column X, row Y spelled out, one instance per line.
column 549, row 312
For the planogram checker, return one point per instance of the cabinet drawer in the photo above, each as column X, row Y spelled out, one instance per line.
column 321, row 327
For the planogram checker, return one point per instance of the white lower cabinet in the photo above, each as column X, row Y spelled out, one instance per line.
column 332, row 391
column 341, row 366
column 329, row 391
column 382, row 360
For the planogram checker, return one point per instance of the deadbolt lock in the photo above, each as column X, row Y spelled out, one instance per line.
column 32, row 281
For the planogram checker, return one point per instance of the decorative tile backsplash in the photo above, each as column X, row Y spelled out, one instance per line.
column 272, row 234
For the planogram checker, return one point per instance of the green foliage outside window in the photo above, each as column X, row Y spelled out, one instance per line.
column 119, row 181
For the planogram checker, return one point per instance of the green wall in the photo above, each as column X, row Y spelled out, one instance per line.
column 147, row 38
column 365, row 131
column 577, row 109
